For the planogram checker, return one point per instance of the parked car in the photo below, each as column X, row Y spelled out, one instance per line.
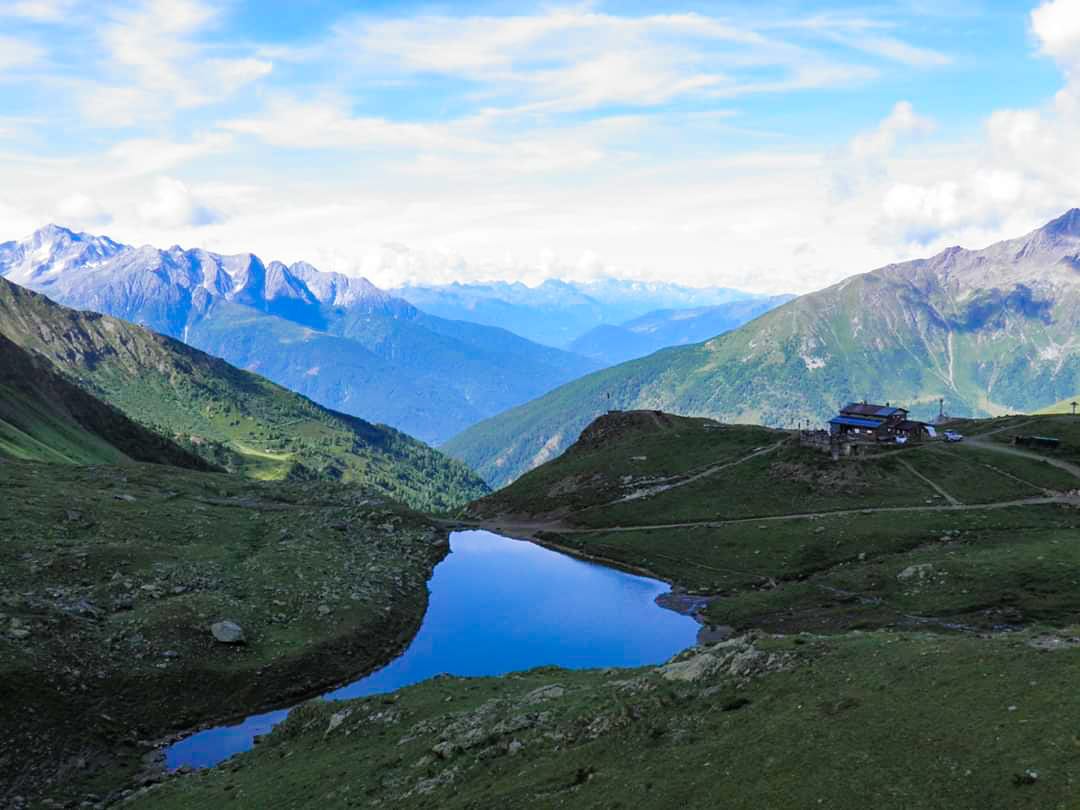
column 953, row 436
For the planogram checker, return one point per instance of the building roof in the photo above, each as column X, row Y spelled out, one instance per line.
column 851, row 421
column 868, row 409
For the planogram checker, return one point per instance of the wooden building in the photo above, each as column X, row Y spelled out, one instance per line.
column 864, row 421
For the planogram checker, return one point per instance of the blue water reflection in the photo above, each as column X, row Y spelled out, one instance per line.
column 499, row 605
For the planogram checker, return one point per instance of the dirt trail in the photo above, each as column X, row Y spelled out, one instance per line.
column 530, row 528
column 931, row 484
column 1002, row 429
column 693, row 478
column 1008, row 449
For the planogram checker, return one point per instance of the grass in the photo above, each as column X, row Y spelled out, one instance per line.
column 108, row 568
column 845, row 718
column 626, row 453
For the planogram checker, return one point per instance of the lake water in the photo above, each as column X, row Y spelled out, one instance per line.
column 499, row 605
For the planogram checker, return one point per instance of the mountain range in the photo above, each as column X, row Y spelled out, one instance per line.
column 558, row 312
column 987, row 331
column 661, row 328
column 337, row 339
column 231, row 418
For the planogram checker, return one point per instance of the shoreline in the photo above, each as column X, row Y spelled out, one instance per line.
column 156, row 769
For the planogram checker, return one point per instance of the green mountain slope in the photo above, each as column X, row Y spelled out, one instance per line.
column 990, row 332
column 44, row 417
column 231, row 417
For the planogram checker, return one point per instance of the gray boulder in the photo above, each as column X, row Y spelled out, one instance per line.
column 227, row 632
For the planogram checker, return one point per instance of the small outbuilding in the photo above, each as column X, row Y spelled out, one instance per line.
column 1041, row 442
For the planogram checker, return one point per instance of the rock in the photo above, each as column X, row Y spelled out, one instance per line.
column 514, row 747
column 324, row 610
column 19, row 633
column 444, row 749
column 737, row 658
column 920, row 571
column 548, row 692
column 336, row 720
column 127, row 498
column 227, row 632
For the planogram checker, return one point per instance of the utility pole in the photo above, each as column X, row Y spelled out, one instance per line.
column 1074, row 408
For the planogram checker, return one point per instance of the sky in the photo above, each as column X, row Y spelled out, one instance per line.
column 774, row 147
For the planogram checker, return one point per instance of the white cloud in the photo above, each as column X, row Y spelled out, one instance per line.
column 159, row 64
column 1057, row 25
column 577, row 59
column 79, row 210
column 446, row 148
column 880, row 142
column 172, row 205
column 18, row 53
column 1026, row 169
column 152, row 155
column 865, row 160
column 37, row 10
column 921, row 213
column 294, row 123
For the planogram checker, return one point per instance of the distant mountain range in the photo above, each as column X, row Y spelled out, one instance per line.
column 339, row 340
column 989, row 331
column 556, row 313
column 669, row 327
column 230, row 418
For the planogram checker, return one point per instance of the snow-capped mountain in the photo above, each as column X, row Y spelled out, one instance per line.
column 340, row 340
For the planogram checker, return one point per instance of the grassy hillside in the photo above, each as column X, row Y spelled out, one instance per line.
column 44, row 417
column 910, row 719
column 110, row 578
column 230, row 417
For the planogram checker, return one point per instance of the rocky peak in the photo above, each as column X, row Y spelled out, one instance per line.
column 1068, row 224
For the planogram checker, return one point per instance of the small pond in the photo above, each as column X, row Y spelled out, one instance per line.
column 499, row 605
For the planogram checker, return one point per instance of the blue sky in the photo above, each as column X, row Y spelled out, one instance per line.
column 776, row 146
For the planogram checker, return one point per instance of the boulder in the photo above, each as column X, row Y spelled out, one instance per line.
column 920, row 571
column 227, row 632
